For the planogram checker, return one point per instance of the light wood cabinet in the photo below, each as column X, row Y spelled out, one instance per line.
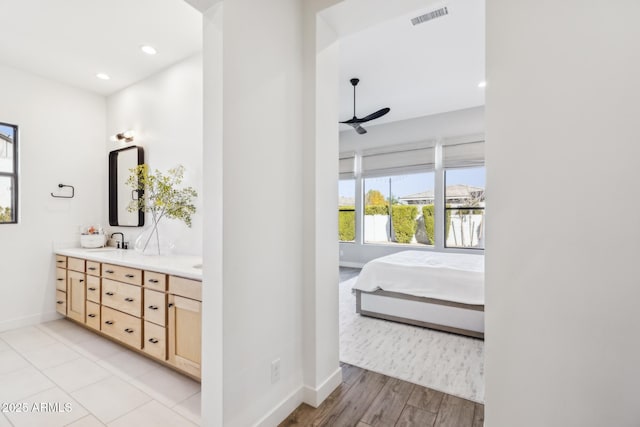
column 61, row 279
column 122, row 296
column 93, row 315
column 151, row 312
column 122, row 327
column 185, row 330
column 61, row 302
column 75, row 295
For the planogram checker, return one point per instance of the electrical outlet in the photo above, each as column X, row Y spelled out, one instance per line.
column 275, row 371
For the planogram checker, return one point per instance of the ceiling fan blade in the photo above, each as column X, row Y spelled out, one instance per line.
column 359, row 129
column 374, row 116
column 351, row 121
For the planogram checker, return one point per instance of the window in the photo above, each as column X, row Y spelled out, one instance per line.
column 398, row 209
column 347, row 210
column 8, row 174
column 464, row 195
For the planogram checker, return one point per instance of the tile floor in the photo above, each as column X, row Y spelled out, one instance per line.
column 103, row 383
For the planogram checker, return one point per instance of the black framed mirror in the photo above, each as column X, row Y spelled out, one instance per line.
column 120, row 194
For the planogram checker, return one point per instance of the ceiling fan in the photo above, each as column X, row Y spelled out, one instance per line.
column 355, row 122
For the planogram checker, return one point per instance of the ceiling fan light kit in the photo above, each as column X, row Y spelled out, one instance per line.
column 355, row 121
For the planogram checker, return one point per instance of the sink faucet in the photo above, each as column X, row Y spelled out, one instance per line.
column 121, row 242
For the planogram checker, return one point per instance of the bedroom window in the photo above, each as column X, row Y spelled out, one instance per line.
column 464, row 208
column 347, row 210
column 399, row 209
column 8, row 174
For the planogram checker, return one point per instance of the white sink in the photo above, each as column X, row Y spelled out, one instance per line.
column 108, row 249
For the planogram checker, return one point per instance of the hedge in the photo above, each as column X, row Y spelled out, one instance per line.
column 429, row 222
column 346, row 223
column 404, row 222
column 376, row 210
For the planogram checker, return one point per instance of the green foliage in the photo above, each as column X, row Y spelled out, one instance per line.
column 374, row 197
column 5, row 214
column 429, row 222
column 376, row 210
column 404, row 222
column 346, row 223
column 159, row 195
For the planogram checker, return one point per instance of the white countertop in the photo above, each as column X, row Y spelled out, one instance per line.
column 177, row 265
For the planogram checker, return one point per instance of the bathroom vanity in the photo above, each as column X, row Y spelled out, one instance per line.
column 150, row 304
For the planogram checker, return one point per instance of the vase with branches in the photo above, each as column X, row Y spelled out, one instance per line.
column 160, row 196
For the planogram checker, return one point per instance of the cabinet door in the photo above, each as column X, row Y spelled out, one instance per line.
column 75, row 296
column 185, row 330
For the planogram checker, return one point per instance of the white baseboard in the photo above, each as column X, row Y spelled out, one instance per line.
column 282, row 410
column 351, row 264
column 315, row 397
column 304, row 394
column 34, row 319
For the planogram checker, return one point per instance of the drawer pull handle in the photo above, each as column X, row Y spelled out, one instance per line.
column 91, row 268
column 91, row 315
column 153, row 281
column 60, row 279
column 60, row 302
column 92, row 289
column 129, row 330
column 128, row 299
column 109, row 293
column 170, row 304
column 153, row 307
column 109, row 271
column 59, row 261
column 81, row 280
column 153, row 341
column 109, row 322
column 130, row 276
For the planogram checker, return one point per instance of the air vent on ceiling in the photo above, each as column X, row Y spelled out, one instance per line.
column 438, row 13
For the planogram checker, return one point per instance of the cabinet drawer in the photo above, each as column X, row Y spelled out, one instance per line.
column 75, row 264
column 155, row 304
column 93, row 289
column 123, row 297
column 93, row 268
column 61, row 302
column 61, row 261
column 122, row 327
column 61, row 279
column 185, row 288
column 155, row 340
column 93, row 315
column 122, row 274
column 157, row 281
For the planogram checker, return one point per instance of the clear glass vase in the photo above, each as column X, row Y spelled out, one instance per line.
column 152, row 241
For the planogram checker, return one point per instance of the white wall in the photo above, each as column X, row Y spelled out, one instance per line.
column 62, row 132
column 262, row 148
column 562, row 296
column 165, row 111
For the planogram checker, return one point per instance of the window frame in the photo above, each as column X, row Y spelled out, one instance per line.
column 13, row 176
column 459, row 208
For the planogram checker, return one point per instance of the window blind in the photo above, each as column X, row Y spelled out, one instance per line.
column 346, row 166
column 470, row 154
column 398, row 162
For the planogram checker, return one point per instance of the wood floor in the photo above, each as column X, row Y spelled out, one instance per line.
column 369, row 399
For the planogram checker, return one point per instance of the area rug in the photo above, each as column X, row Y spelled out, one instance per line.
column 441, row 361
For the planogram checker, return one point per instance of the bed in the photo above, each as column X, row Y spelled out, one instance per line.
column 443, row 291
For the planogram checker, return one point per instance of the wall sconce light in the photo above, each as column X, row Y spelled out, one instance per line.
column 126, row 136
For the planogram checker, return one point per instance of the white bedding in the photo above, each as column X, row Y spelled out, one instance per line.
column 445, row 276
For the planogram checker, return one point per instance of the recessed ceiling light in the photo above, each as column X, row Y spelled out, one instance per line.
column 482, row 84
column 103, row 76
column 149, row 50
